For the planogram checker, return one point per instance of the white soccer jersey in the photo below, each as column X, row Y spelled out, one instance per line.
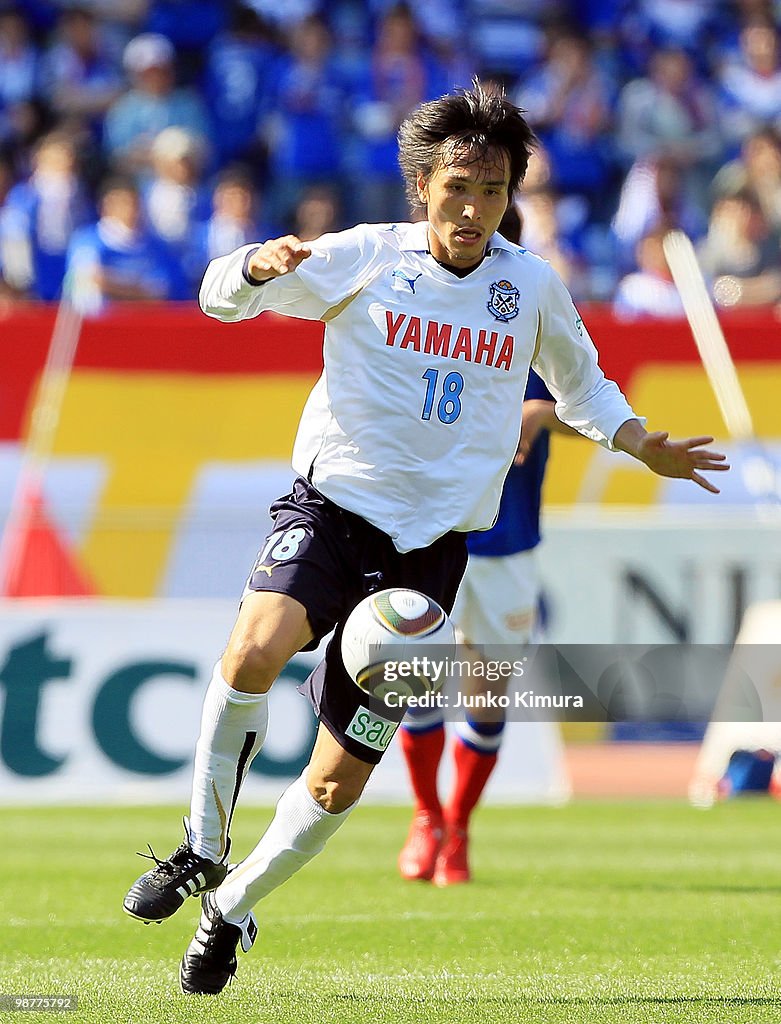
column 416, row 417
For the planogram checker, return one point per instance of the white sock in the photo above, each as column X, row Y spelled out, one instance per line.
column 233, row 728
column 299, row 830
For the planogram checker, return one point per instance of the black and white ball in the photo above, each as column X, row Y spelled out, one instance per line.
column 392, row 627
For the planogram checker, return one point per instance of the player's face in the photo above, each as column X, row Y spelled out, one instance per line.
column 466, row 199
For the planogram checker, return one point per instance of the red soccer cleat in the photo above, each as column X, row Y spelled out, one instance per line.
column 419, row 854
column 452, row 866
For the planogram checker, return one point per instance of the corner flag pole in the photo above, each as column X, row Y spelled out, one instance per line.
column 708, row 335
column 44, row 419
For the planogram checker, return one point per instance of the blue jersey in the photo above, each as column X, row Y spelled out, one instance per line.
column 518, row 526
column 309, row 101
column 140, row 258
column 238, row 73
column 45, row 223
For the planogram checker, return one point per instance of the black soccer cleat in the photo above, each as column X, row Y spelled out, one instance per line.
column 159, row 892
column 209, row 962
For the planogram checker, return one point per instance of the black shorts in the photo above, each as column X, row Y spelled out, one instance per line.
column 329, row 559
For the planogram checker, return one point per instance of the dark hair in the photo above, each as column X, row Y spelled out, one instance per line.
column 475, row 120
column 117, row 183
column 745, row 195
column 511, row 224
column 56, row 137
column 236, row 175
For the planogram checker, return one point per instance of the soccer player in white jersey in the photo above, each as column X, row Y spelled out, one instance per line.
column 402, row 448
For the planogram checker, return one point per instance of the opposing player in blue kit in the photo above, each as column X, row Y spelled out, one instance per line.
column 496, row 611
column 402, row 449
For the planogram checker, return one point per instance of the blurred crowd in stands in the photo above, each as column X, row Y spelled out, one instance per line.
column 141, row 138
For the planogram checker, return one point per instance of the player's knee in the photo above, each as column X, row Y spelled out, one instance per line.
column 335, row 795
column 249, row 666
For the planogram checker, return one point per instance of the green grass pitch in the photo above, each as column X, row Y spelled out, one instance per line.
column 593, row 913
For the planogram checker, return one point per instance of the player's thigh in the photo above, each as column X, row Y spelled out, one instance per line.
column 297, row 589
column 308, row 556
column 496, row 609
column 270, row 628
column 336, row 778
column 464, row 603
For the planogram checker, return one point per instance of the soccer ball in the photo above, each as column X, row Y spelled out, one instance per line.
column 395, row 642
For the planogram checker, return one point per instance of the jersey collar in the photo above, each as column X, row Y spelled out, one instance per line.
column 416, row 240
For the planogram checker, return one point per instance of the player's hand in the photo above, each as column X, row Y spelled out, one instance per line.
column 277, row 257
column 681, row 459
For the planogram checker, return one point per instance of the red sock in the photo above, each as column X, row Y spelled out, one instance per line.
column 422, row 752
column 473, row 769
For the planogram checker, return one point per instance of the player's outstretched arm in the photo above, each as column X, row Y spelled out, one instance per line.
column 685, row 459
column 277, row 257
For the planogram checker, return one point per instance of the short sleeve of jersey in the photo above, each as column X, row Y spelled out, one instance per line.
column 536, row 390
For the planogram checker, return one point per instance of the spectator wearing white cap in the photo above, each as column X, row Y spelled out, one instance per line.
column 152, row 104
column 173, row 197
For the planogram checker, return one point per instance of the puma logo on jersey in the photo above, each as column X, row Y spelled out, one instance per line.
column 399, row 275
column 438, row 339
column 267, row 569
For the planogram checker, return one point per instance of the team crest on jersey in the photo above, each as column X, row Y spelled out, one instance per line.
column 503, row 304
